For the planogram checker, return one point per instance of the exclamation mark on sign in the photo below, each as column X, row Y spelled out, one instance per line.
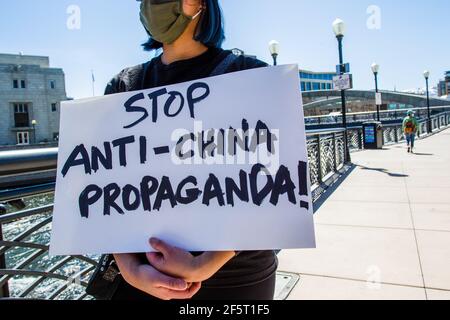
column 303, row 183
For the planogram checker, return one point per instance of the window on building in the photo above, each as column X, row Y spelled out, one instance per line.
column 15, row 84
column 21, row 116
column 303, row 86
column 53, row 107
column 328, row 86
column 52, row 84
column 23, row 138
column 316, row 86
column 23, row 84
column 323, row 86
column 308, row 86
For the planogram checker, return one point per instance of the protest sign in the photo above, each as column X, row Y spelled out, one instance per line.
column 208, row 165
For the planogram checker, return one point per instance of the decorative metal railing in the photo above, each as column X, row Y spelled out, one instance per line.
column 393, row 133
column 26, row 197
column 385, row 115
column 325, row 156
column 24, row 244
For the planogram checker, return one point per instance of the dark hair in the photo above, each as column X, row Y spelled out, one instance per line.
column 210, row 29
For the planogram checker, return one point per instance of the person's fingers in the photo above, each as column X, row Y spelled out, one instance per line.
column 161, row 246
column 150, row 278
column 180, row 295
column 167, row 294
column 194, row 288
column 155, row 259
column 165, row 281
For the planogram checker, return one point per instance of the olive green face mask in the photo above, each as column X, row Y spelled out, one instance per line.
column 165, row 20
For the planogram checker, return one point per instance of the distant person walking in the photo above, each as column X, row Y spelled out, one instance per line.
column 410, row 127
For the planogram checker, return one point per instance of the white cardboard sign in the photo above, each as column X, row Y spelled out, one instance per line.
column 209, row 165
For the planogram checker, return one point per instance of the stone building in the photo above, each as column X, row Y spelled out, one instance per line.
column 30, row 96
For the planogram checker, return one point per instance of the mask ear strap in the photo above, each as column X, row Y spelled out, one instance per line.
column 198, row 13
column 202, row 8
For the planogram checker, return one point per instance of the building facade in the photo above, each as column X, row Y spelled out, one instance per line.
column 444, row 86
column 309, row 80
column 316, row 81
column 30, row 96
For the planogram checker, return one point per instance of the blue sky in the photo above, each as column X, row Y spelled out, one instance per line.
column 413, row 37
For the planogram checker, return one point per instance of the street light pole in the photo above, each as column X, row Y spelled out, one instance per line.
column 376, row 91
column 274, row 48
column 427, row 76
column 34, row 123
column 341, row 62
column 375, row 70
column 339, row 30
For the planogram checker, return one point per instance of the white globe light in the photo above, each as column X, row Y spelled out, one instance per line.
column 426, row 74
column 274, row 47
column 375, row 68
column 339, row 27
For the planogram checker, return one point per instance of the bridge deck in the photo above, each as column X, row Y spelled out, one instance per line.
column 384, row 233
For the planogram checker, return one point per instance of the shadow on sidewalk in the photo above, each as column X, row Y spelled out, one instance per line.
column 332, row 188
column 394, row 175
column 423, row 154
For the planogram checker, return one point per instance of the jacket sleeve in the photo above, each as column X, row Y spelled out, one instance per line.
column 116, row 85
column 113, row 86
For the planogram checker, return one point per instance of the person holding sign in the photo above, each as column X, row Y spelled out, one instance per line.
column 190, row 33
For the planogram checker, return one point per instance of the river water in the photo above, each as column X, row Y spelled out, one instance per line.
column 16, row 256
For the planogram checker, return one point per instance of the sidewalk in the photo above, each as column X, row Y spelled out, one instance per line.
column 384, row 233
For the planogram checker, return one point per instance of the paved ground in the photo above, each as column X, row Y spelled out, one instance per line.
column 385, row 232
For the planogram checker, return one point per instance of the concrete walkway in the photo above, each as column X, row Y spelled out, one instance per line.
column 384, row 233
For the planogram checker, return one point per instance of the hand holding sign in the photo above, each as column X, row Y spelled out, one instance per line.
column 218, row 164
column 149, row 280
column 177, row 262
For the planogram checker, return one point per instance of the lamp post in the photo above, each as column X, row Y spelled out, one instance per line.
column 426, row 74
column 34, row 123
column 339, row 31
column 375, row 70
column 274, row 48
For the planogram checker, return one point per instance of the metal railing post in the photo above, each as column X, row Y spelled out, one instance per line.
column 335, row 152
column 4, row 290
column 319, row 161
column 360, row 139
